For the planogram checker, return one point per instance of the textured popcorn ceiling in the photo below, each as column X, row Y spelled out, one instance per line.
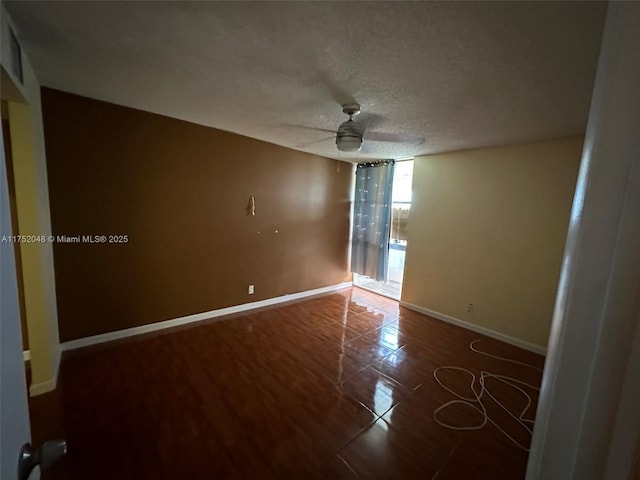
column 436, row 76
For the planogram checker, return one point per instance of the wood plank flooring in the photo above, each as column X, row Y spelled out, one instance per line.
column 335, row 386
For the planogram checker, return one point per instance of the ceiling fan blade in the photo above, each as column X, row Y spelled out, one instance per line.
column 369, row 120
column 366, row 148
column 308, row 144
column 335, row 91
column 306, row 127
column 393, row 138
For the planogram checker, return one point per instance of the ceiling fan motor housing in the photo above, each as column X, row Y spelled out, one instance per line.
column 348, row 137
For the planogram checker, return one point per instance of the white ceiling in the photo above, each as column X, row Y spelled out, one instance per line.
column 442, row 76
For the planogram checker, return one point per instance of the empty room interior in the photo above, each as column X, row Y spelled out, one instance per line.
column 290, row 239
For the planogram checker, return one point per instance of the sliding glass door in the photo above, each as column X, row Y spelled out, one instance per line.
column 391, row 285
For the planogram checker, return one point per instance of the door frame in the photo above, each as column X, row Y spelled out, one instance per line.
column 587, row 423
column 14, row 412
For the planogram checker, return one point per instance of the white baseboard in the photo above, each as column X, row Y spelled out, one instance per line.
column 532, row 347
column 197, row 317
column 43, row 387
column 48, row 385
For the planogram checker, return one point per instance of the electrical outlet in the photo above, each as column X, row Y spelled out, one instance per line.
column 470, row 307
column 251, row 290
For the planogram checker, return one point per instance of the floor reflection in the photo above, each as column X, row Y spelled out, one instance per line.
column 383, row 396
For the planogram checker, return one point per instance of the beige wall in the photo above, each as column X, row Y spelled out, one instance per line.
column 32, row 206
column 488, row 227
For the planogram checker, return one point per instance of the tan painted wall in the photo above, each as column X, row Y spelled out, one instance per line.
column 32, row 205
column 180, row 192
column 488, row 227
column 6, row 138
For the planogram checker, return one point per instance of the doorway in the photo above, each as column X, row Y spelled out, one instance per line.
column 391, row 286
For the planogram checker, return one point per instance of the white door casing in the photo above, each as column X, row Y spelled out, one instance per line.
column 14, row 413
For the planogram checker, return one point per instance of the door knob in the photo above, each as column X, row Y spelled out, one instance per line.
column 48, row 454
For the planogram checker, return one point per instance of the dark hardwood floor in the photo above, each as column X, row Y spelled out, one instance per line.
column 334, row 386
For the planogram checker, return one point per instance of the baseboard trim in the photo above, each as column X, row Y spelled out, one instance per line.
column 197, row 317
column 43, row 387
column 48, row 385
column 532, row 347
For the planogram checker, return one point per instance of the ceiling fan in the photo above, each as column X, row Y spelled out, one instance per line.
column 351, row 135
